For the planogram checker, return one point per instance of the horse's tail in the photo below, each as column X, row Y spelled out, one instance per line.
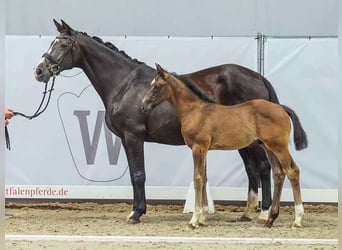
column 299, row 134
column 273, row 96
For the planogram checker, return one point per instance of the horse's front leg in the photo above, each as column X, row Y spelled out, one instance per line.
column 199, row 157
column 134, row 148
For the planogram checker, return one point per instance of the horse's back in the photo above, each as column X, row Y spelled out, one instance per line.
column 229, row 84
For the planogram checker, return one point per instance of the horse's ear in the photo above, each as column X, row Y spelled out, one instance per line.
column 67, row 29
column 58, row 26
column 160, row 70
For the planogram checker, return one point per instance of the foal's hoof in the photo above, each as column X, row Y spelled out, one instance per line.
column 268, row 224
column 244, row 218
column 296, row 225
column 193, row 225
column 261, row 221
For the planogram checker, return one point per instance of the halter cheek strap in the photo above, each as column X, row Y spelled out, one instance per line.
column 54, row 67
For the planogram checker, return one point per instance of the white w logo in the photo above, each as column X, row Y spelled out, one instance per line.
column 90, row 146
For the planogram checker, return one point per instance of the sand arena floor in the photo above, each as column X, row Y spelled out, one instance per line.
column 92, row 219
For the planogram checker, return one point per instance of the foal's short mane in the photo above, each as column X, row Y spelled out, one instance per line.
column 194, row 88
column 112, row 47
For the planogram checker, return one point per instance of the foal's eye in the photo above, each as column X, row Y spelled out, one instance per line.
column 63, row 46
column 155, row 91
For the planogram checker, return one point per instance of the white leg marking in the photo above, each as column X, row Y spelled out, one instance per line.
column 252, row 204
column 263, row 216
column 299, row 213
column 194, row 220
column 129, row 216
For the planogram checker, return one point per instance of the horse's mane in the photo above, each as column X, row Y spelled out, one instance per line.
column 187, row 83
column 112, row 47
column 197, row 91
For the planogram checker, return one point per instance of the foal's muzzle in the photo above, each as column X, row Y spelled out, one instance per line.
column 146, row 107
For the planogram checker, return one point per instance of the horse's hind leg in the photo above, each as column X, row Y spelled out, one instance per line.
column 199, row 157
column 253, row 183
column 257, row 166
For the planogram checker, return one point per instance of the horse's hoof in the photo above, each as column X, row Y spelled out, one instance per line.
column 133, row 221
column 263, row 217
column 244, row 218
column 133, row 218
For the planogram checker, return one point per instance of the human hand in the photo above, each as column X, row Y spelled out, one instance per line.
column 8, row 115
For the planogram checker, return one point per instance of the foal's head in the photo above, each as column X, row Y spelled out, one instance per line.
column 159, row 91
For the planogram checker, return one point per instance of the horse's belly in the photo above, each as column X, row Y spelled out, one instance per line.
column 231, row 142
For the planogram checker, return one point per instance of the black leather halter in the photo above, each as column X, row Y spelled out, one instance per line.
column 54, row 66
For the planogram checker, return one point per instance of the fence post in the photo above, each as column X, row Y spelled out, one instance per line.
column 261, row 38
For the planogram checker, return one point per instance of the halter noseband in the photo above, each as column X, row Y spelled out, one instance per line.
column 55, row 68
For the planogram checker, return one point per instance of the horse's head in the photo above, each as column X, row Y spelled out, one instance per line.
column 60, row 55
column 158, row 92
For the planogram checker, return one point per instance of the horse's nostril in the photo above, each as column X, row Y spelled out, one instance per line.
column 39, row 71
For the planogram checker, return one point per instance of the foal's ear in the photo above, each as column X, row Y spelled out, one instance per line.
column 160, row 71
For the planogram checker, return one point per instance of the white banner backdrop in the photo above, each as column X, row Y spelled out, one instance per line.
column 304, row 74
column 48, row 158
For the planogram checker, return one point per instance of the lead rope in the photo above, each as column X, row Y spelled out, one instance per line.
column 39, row 111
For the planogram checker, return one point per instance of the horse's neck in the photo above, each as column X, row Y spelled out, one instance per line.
column 105, row 68
column 183, row 99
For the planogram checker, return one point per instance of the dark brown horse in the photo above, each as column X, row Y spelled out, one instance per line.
column 208, row 126
column 121, row 82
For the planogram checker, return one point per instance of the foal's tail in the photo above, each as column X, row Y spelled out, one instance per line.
column 299, row 134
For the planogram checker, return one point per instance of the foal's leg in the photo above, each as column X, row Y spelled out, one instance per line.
column 291, row 170
column 292, row 173
column 199, row 157
column 278, row 178
column 205, row 206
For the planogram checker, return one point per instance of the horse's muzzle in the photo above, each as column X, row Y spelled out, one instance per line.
column 40, row 75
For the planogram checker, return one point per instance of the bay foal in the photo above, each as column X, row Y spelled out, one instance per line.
column 208, row 126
